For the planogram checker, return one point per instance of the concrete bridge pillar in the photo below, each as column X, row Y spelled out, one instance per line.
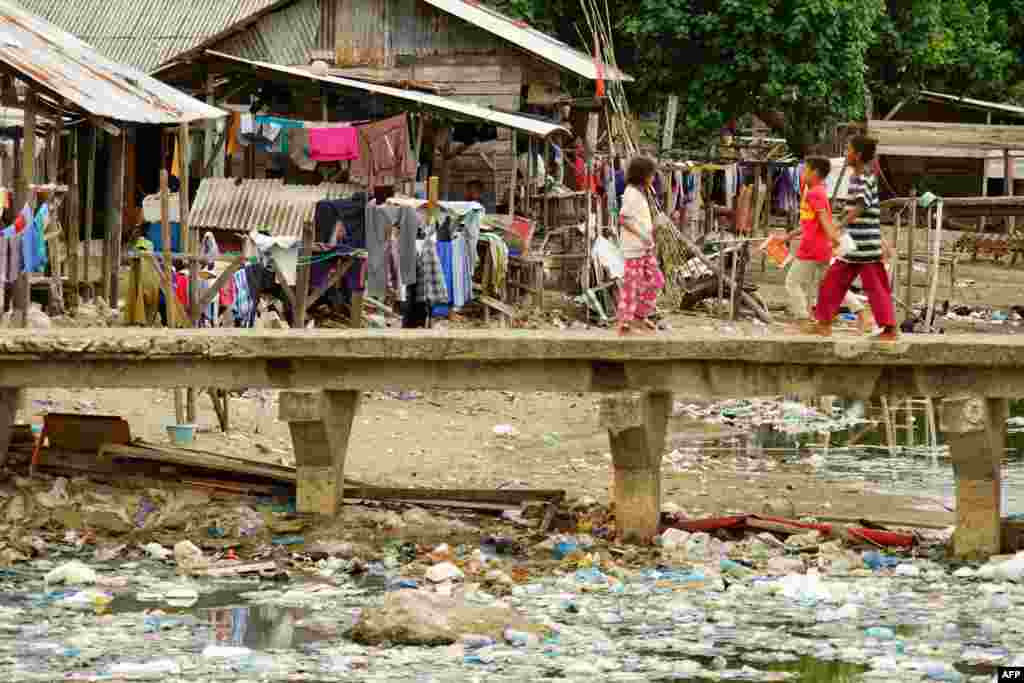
column 636, row 426
column 975, row 429
column 321, row 425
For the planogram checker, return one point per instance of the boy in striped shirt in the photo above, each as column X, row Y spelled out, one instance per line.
column 866, row 257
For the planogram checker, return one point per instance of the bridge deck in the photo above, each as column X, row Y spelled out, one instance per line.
column 976, row 373
column 697, row 365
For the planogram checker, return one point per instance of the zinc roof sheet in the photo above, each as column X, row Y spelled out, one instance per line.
column 63, row 66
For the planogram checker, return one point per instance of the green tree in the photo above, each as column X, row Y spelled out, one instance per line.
column 726, row 58
column 955, row 46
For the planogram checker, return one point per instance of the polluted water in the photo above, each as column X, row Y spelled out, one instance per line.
column 530, row 606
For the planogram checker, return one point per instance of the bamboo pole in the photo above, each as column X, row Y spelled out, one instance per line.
column 890, row 430
column 28, row 152
column 74, row 216
column 115, row 219
column 185, row 238
column 894, row 275
column 910, row 253
column 90, row 203
column 744, row 297
column 302, row 278
column 165, row 234
column 936, row 256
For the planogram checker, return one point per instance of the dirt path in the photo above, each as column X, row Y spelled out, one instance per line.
column 448, row 440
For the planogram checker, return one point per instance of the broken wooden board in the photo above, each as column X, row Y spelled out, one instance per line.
column 502, row 308
column 85, row 432
column 142, row 450
column 497, row 497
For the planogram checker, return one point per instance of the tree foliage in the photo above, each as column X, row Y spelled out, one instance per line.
column 729, row 57
column 813, row 60
column 954, row 46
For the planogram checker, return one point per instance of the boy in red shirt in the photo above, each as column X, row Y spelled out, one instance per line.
column 815, row 250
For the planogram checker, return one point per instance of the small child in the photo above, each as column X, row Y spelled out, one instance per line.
column 815, row 250
column 869, row 250
column 643, row 279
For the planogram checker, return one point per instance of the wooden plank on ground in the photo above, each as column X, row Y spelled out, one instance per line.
column 495, row 496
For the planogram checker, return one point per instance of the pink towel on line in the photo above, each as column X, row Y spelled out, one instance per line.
column 333, row 144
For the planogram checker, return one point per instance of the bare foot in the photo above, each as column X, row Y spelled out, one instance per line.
column 650, row 324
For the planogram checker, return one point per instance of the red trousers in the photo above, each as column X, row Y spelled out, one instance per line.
column 837, row 283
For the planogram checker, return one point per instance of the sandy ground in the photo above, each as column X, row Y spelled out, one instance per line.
column 448, row 439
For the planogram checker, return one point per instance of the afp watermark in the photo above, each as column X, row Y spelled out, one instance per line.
column 1011, row 673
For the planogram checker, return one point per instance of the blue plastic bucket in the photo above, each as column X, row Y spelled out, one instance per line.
column 181, row 435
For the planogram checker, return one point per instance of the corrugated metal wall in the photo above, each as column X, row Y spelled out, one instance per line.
column 282, row 37
column 378, row 32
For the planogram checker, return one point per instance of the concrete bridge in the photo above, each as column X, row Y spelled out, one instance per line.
column 975, row 375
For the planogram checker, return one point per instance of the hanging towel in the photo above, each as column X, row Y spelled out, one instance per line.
column 333, row 144
column 298, row 149
column 234, row 128
column 13, row 254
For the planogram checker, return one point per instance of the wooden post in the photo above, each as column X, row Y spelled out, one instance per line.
column 1010, row 171
column 302, row 277
column 444, row 172
column 910, row 424
column 28, row 152
column 185, row 159
column 529, row 177
column 936, row 266
column 90, row 203
column 210, row 150
column 356, row 317
column 115, row 219
column 894, row 275
column 321, row 428
column 53, row 150
column 165, row 234
column 983, row 221
column 74, row 216
column 890, row 430
column 515, row 176
column 910, row 253
column 975, row 430
column 636, row 431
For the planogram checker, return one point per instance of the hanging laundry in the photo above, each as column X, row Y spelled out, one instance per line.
column 208, row 248
column 227, row 293
column 333, row 144
column 384, row 155
column 495, row 270
column 33, row 245
column 430, row 279
column 13, row 254
column 441, row 308
column 283, row 252
column 298, row 149
column 244, row 306
column 3, row 272
column 349, row 212
column 461, row 289
column 23, row 219
column 234, row 128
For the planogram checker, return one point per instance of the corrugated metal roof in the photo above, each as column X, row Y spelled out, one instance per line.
column 66, row 67
column 452, row 107
column 283, row 36
column 145, row 33
column 529, row 39
column 282, row 210
column 978, row 104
